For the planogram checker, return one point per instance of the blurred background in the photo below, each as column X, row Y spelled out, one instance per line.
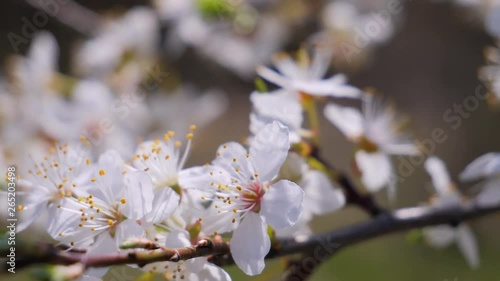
column 426, row 57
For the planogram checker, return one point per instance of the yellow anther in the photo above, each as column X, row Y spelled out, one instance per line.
column 200, row 219
column 72, row 243
column 110, row 222
column 93, row 179
column 234, row 220
column 192, row 128
column 92, row 229
column 21, row 207
column 102, row 172
column 87, row 161
column 215, row 232
column 235, row 211
column 224, row 146
column 178, row 144
column 171, row 133
column 60, row 186
column 234, row 160
column 189, row 136
column 167, row 157
column 123, row 200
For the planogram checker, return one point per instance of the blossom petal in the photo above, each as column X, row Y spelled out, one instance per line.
column 439, row 236
column 327, row 87
column 138, row 192
column 347, row 119
column 490, row 193
column 273, row 77
column 128, row 229
column 282, row 204
column 211, row 272
column 466, row 241
column 281, row 105
column 165, row 202
column 320, row 195
column 376, row 169
column 233, row 158
column 269, row 149
column 484, row 166
column 250, row 244
column 439, row 174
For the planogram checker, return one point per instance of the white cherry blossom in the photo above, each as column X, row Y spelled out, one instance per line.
column 51, row 181
column 245, row 197
column 378, row 132
column 306, row 76
column 486, row 168
column 443, row 235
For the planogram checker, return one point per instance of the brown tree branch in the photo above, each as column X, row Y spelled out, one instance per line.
column 316, row 247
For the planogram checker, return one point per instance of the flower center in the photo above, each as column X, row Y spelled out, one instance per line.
column 252, row 196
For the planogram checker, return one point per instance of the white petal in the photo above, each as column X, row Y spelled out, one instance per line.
column 259, row 121
column 320, row 63
column 165, row 202
column 201, row 177
column 490, row 194
column 211, row 272
column 484, row 166
column 281, row 105
column 138, row 192
column 439, row 236
column 376, row 169
column 177, row 239
column 347, row 119
column 320, row 195
column 328, row 87
column 293, row 168
column 466, row 241
column 226, row 156
column 43, row 53
column 269, row 150
column 439, row 174
column 286, row 65
column 282, row 204
column 110, row 185
column 128, row 229
column 250, row 244
column 273, row 76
